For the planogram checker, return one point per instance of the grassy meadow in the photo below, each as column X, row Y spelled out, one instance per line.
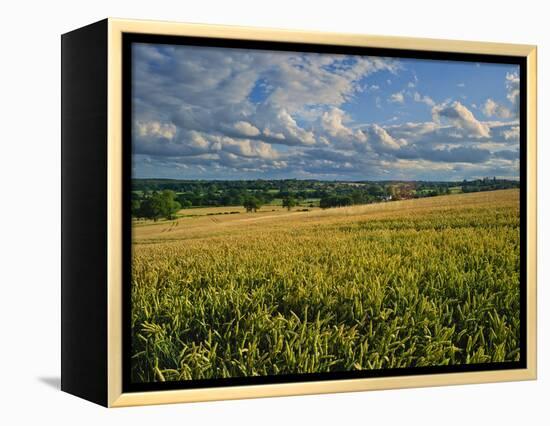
column 219, row 292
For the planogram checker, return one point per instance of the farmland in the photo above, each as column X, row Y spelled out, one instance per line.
column 221, row 292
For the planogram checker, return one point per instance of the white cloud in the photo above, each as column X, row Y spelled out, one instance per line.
column 248, row 148
column 272, row 135
column 424, row 99
column 397, row 98
column 512, row 86
column 333, row 122
column 284, row 124
column 382, row 140
column 338, row 134
column 493, row 109
column 156, row 129
column 246, row 129
column 462, row 118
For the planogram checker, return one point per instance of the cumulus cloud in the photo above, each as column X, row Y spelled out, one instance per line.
column 246, row 129
column 156, row 129
column 280, row 122
column 382, row 140
column 493, row 109
column 248, row 148
column 461, row 117
column 333, row 122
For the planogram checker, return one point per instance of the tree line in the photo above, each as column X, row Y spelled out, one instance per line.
column 163, row 198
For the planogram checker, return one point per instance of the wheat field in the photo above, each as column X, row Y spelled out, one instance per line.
column 424, row 282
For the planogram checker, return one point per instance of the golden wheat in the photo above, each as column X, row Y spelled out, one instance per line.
column 401, row 284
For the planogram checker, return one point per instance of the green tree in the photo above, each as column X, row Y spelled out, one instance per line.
column 289, row 202
column 159, row 204
column 252, row 204
column 170, row 206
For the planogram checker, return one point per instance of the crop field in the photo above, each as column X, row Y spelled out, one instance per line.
column 424, row 282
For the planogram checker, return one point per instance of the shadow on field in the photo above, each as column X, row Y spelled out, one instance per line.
column 53, row 382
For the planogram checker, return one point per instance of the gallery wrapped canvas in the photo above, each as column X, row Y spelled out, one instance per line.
column 279, row 213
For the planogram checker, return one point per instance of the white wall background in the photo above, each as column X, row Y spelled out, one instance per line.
column 30, row 200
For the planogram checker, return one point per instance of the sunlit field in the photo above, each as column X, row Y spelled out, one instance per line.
column 219, row 292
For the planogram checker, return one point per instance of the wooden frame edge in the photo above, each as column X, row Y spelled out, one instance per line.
column 312, row 388
column 116, row 398
column 532, row 211
column 114, row 213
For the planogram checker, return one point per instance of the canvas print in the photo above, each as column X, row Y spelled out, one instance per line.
column 299, row 213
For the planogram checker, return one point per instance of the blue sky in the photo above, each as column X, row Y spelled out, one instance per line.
column 219, row 113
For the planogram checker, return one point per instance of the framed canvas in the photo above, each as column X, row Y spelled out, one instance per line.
column 250, row 212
